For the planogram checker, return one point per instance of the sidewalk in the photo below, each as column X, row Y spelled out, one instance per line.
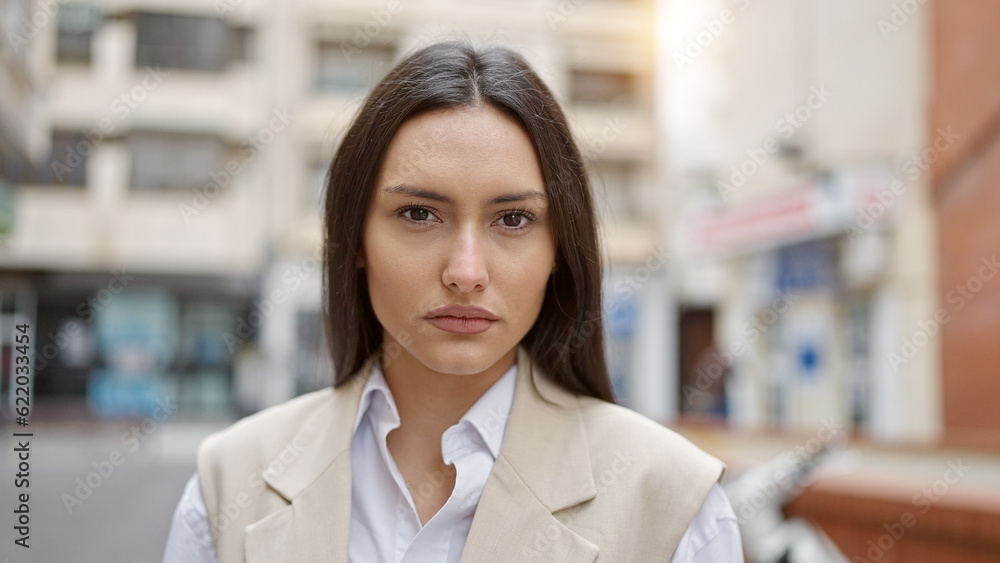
column 905, row 468
column 881, row 503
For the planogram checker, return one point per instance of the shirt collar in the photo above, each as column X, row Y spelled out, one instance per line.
column 488, row 415
column 376, row 384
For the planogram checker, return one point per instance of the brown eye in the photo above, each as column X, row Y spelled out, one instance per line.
column 512, row 220
column 418, row 214
column 515, row 220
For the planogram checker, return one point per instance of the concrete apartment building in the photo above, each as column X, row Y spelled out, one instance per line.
column 170, row 223
column 23, row 138
column 150, row 109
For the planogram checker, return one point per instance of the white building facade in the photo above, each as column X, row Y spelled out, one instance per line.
column 798, row 165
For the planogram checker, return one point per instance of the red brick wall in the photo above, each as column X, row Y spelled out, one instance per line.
column 966, row 99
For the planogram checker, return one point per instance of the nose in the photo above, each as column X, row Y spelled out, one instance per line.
column 466, row 269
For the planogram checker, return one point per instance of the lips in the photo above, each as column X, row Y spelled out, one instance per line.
column 461, row 319
column 462, row 312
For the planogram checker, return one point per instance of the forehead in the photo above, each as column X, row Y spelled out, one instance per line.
column 466, row 149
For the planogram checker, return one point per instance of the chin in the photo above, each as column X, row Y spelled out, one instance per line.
column 461, row 357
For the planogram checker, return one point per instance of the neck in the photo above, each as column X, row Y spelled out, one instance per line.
column 429, row 402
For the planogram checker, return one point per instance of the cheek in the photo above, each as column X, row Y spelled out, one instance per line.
column 401, row 278
column 385, row 269
column 526, row 275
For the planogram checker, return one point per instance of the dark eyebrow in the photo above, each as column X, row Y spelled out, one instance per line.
column 519, row 196
column 428, row 194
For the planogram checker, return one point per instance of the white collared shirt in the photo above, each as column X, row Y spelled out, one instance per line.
column 384, row 522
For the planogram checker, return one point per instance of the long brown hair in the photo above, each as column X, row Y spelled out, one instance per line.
column 566, row 340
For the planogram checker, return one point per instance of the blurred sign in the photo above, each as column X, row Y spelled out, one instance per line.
column 849, row 202
column 808, row 359
column 806, row 265
column 622, row 320
column 112, row 395
column 792, row 214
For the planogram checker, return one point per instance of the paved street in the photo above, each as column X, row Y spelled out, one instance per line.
column 125, row 518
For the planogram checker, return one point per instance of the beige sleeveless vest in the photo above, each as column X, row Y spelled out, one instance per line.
column 577, row 480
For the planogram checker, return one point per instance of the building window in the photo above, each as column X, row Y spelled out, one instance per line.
column 186, row 42
column 168, row 161
column 240, row 44
column 603, row 87
column 614, row 183
column 807, row 265
column 13, row 14
column 76, row 27
column 66, row 164
column 344, row 68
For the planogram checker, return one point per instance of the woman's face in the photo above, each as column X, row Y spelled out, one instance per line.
column 457, row 242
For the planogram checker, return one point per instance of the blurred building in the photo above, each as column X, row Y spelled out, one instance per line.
column 142, row 228
column 799, row 156
column 832, row 167
column 167, row 214
column 23, row 142
column 22, row 119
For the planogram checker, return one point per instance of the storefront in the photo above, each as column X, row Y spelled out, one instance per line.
column 799, row 331
column 119, row 344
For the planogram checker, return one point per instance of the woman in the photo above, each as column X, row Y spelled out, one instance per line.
column 472, row 416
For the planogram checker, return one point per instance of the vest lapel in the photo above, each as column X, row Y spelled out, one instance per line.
column 315, row 527
column 543, row 467
column 317, row 483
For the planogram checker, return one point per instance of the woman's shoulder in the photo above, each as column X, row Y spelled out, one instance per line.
column 618, row 431
column 265, row 433
column 653, row 480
